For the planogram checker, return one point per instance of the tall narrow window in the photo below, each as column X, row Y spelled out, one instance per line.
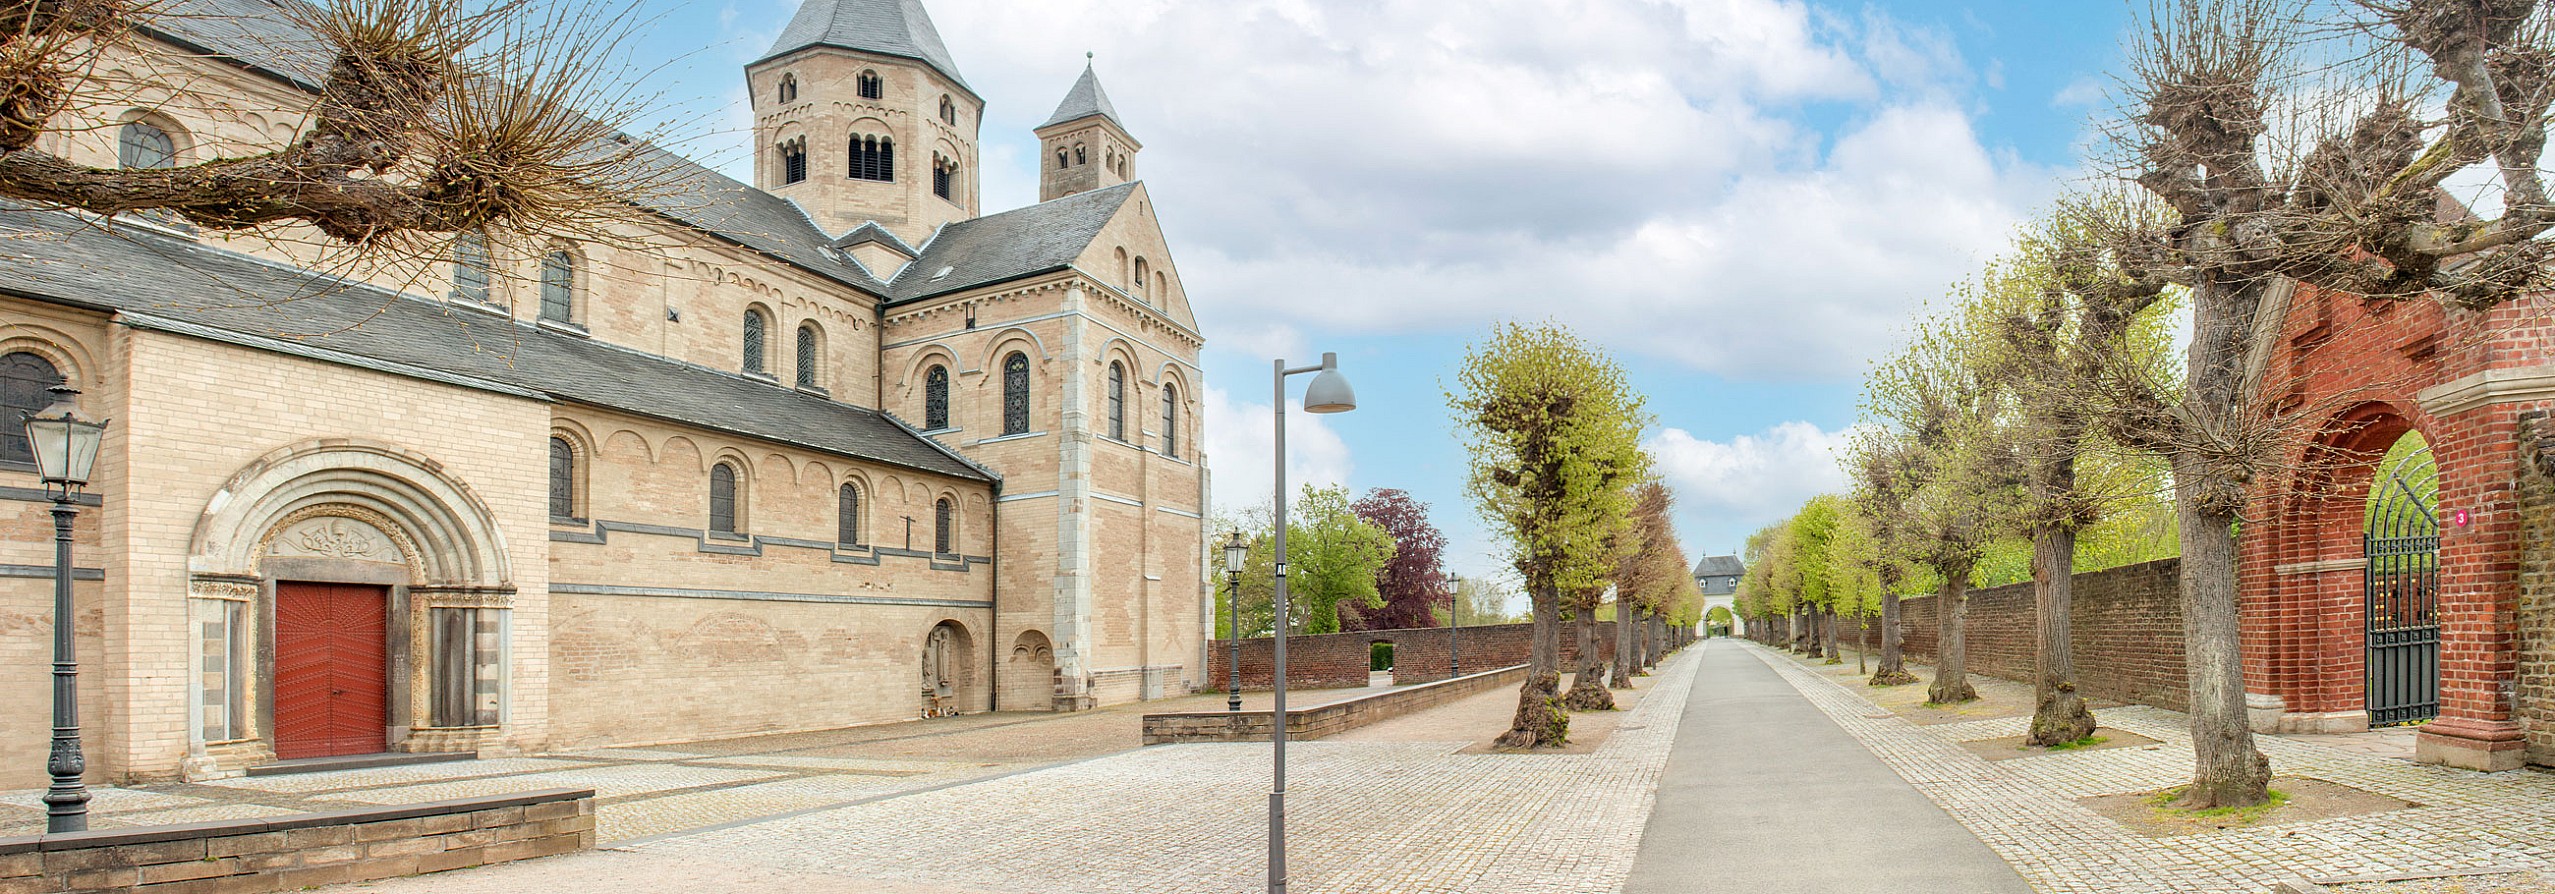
column 1143, row 275
column 470, row 266
column 1060, row 158
column 1170, row 419
column 563, row 479
column 945, row 527
column 793, row 161
column 559, row 287
column 1079, row 157
column 873, row 158
column 723, row 518
column 24, row 377
column 789, row 88
column 1117, row 400
column 936, row 398
column 948, row 111
column 145, row 147
column 847, row 518
column 1015, row 394
column 944, row 173
column 870, row 86
column 756, row 361
column 807, row 355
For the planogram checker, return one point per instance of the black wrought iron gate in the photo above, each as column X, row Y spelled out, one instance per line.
column 2402, row 586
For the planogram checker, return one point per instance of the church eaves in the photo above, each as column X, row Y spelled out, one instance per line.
column 887, row 27
column 1083, row 101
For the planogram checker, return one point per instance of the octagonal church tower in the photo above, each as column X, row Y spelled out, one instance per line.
column 860, row 115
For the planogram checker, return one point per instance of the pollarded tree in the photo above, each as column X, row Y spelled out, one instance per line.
column 1880, row 462
column 1413, row 583
column 1554, row 435
column 1645, row 576
column 1814, row 533
column 2350, row 204
column 431, row 117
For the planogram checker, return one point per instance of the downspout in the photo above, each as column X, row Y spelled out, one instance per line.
column 993, row 614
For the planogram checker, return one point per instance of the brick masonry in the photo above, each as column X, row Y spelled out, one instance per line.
column 2127, row 633
column 1419, row 655
column 304, row 850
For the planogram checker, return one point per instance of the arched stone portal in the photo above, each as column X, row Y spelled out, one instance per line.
column 348, row 597
column 949, row 684
column 1029, row 678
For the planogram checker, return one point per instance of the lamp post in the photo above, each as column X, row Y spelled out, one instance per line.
column 1329, row 393
column 1233, row 553
column 65, row 445
column 1455, row 636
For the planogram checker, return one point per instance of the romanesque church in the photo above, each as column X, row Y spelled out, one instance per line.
column 831, row 448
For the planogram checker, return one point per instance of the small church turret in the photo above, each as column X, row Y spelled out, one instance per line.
column 1086, row 145
column 860, row 115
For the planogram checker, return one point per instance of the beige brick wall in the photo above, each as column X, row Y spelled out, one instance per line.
column 829, row 110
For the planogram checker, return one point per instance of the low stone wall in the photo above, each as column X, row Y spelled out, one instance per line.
column 1324, row 720
column 1333, row 660
column 293, row 852
column 2127, row 624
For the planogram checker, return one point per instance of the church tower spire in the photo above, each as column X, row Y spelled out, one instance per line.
column 860, row 116
column 1086, row 144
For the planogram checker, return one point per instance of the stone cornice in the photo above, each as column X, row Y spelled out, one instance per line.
column 2492, row 386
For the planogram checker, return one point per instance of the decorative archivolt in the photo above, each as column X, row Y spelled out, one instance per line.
column 435, row 523
column 69, row 357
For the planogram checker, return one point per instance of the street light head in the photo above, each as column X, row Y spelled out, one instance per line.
column 65, row 443
column 1234, row 552
column 1329, row 392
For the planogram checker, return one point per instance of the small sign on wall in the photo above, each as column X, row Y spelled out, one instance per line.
column 2460, row 517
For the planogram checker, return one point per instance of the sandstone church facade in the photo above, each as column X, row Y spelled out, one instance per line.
column 827, row 449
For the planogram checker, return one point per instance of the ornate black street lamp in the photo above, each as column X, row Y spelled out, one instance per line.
column 1233, row 554
column 65, row 444
column 1455, row 636
column 1329, row 393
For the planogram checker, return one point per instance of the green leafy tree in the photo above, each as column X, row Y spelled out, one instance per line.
column 1332, row 559
column 1553, row 431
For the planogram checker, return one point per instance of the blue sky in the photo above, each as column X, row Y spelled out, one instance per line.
column 1743, row 199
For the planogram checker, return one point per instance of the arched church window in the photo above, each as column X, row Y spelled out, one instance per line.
column 936, row 398
column 793, row 161
column 847, row 518
column 563, row 479
column 945, row 527
column 24, row 378
column 1015, row 394
column 756, row 361
column 144, row 146
column 873, row 158
column 789, row 88
column 1079, row 157
column 1143, row 276
column 1060, row 158
column 723, row 514
column 1170, row 419
column 808, row 342
column 470, row 268
column 944, row 176
column 1117, row 400
column 870, row 86
column 559, row 286
column 948, row 111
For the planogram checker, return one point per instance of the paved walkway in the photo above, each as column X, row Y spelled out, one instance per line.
column 1764, row 794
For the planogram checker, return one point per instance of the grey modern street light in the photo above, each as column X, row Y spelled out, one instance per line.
column 1455, row 636
column 1234, row 552
column 1329, row 393
column 65, row 445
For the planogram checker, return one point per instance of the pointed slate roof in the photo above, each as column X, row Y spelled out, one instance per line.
column 1085, row 100
column 887, row 27
column 1044, row 237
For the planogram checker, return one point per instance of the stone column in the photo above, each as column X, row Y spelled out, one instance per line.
column 1073, row 634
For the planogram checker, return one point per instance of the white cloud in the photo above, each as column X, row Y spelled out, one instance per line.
column 1649, row 171
column 1726, row 489
column 1239, row 441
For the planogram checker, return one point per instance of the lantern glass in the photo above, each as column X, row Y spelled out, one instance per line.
column 65, row 443
column 1233, row 553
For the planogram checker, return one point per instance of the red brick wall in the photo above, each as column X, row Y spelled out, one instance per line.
column 1419, row 655
column 2128, row 633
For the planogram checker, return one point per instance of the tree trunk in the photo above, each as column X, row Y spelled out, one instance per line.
column 1951, row 668
column 2059, row 714
column 1627, row 653
column 1540, row 721
column 1893, row 670
column 1588, row 685
column 1862, row 641
column 1827, row 633
column 2228, row 771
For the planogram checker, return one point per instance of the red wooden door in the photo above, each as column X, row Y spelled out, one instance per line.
column 332, row 675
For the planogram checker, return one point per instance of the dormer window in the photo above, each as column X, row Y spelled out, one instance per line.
column 789, row 88
column 871, row 87
column 794, row 161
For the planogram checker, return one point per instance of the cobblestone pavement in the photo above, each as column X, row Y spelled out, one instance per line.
column 650, row 791
column 1388, row 813
column 2026, row 808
